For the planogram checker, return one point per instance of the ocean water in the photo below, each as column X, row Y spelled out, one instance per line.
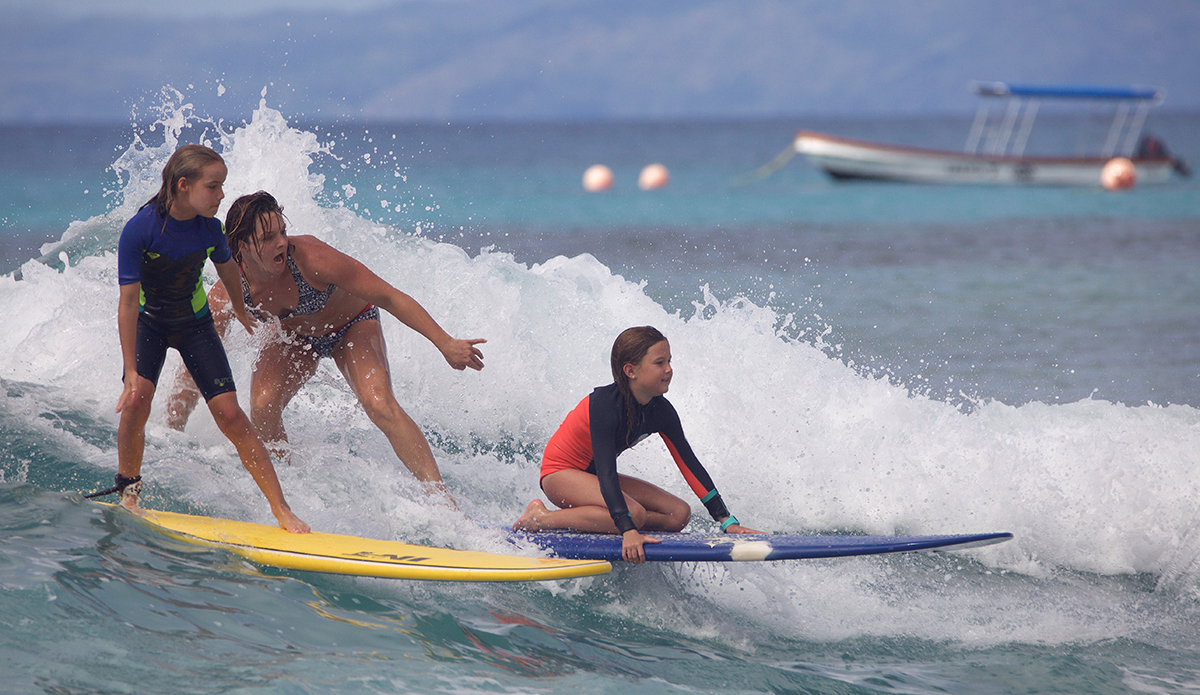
column 850, row 358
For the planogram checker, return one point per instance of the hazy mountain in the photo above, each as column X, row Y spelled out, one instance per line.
column 480, row 60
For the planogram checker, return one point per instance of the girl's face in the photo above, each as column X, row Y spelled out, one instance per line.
column 202, row 195
column 652, row 376
column 271, row 252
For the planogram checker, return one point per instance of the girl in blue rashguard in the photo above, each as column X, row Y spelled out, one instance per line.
column 160, row 258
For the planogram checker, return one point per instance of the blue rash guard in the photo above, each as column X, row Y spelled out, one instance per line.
column 168, row 261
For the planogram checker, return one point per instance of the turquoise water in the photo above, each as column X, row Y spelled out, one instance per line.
column 849, row 358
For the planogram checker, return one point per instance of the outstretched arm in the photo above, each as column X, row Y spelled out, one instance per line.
column 330, row 266
column 184, row 395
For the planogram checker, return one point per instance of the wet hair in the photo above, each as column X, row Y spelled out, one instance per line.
column 631, row 347
column 242, row 220
column 186, row 163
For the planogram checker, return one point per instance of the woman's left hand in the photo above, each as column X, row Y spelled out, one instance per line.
column 463, row 353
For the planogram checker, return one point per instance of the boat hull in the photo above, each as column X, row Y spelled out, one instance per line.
column 845, row 158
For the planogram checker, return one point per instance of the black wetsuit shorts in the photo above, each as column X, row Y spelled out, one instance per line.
column 198, row 344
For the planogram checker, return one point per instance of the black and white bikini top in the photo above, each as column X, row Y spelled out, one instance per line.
column 311, row 300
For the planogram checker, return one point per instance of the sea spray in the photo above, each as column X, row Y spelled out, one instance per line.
column 798, row 439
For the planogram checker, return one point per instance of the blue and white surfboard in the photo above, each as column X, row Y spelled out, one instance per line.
column 719, row 547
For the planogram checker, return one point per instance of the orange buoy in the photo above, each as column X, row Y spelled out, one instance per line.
column 653, row 176
column 1118, row 174
column 597, row 177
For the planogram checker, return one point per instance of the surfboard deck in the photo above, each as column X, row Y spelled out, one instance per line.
column 338, row 554
column 720, row 547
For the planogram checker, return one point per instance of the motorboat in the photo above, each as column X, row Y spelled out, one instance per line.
column 995, row 149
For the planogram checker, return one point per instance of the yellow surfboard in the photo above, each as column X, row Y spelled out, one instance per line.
column 366, row 557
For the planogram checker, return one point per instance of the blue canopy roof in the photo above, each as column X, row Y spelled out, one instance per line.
column 1066, row 91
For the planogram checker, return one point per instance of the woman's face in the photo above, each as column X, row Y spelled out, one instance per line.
column 270, row 231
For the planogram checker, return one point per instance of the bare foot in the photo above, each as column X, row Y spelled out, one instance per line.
column 291, row 523
column 531, row 519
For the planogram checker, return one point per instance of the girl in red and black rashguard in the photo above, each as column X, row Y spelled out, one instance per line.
column 597, row 431
column 579, row 467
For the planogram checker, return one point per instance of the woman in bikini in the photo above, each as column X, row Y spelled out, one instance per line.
column 327, row 305
column 579, row 467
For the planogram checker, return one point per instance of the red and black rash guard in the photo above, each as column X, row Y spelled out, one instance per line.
column 597, row 430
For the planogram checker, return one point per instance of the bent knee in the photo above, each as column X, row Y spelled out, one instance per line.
column 227, row 413
column 381, row 407
column 260, row 404
column 679, row 516
column 139, row 406
column 264, row 403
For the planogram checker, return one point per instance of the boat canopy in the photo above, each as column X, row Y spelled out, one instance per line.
column 997, row 137
column 1067, row 91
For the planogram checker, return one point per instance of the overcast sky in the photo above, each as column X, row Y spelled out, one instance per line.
column 207, row 8
column 404, row 60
